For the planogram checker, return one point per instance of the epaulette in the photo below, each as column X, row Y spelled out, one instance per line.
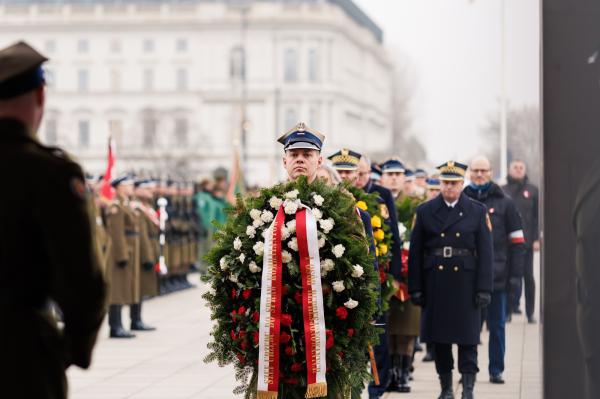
column 55, row 152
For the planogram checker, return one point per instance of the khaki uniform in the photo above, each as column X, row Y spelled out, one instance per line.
column 46, row 253
column 123, row 227
column 148, row 253
column 102, row 240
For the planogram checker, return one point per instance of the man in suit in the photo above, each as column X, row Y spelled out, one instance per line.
column 451, row 276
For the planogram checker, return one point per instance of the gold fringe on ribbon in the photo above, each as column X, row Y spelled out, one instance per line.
column 266, row 395
column 317, row 390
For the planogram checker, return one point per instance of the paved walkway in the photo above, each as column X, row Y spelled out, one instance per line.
column 167, row 363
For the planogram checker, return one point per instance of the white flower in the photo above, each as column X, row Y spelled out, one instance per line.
column 253, row 267
column 290, row 207
column 291, row 225
column 264, row 233
column 406, row 245
column 242, row 258
column 275, row 202
column 292, row 194
column 317, row 213
column 401, row 228
column 250, row 231
column 233, row 278
column 286, row 257
column 237, row 244
column 255, row 214
column 338, row 250
column 351, row 303
column 321, row 242
column 326, row 225
column 266, row 216
column 318, row 199
column 327, row 265
column 285, row 233
column 358, row 271
column 257, row 223
column 293, row 244
column 223, row 263
column 259, row 248
column 338, row 286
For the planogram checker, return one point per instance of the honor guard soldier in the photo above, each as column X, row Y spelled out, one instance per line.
column 433, row 188
column 509, row 253
column 123, row 266
column 48, row 251
column 451, row 277
column 148, row 222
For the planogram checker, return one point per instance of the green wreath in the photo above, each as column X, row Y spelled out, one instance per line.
column 234, row 277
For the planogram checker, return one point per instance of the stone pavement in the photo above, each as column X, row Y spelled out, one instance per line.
column 167, row 363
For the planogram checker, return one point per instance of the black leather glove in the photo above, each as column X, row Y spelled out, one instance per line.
column 483, row 299
column 148, row 266
column 122, row 264
column 417, row 298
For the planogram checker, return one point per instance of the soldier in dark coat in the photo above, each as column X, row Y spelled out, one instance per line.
column 451, row 276
column 526, row 198
column 47, row 250
column 509, row 251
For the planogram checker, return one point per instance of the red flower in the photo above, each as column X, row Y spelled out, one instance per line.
column 329, row 342
column 328, row 333
column 241, row 310
column 241, row 358
column 350, row 332
column 382, row 276
column 298, row 297
column 286, row 319
column 289, row 351
column 341, row 313
column 255, row 337
column 246, row 293
column 296, row 367
column 341, row 355
column 233, row 335
column 284, row 338
column 244, row 345
column 233, row 293
column 242, row 334
column 255, row 317
column 233, row 314
column 291, row 381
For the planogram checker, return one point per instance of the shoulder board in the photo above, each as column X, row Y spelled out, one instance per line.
column 56, row 152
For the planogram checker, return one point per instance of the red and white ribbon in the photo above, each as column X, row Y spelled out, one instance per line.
column 312, row 303
column 270, row 311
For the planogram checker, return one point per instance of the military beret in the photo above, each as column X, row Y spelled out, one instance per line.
column 20, row 70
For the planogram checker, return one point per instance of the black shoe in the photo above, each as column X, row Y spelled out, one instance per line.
column 404, row 385
column 140, row 326
column 396, row 374
column 418, row 347
column 531, row 320
column 120, row 333
column 497, row 379
column 468, row 385
column 517, row 311
column 446, row 384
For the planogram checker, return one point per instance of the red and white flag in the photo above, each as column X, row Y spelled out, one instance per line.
column 108, row 191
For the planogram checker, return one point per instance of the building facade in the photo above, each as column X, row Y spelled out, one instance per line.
column 179, row 85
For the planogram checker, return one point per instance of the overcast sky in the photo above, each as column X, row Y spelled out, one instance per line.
column 451, row 51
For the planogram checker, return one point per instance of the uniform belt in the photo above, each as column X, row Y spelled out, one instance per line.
column 131, row 233
column 449, row 252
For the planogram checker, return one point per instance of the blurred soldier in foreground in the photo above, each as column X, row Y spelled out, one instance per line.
column 47, row 251
column 526, row 198
column 450, row 276
column 509, row 251
column 586, row 222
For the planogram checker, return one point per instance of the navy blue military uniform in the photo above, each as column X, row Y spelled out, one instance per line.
column 450, row 274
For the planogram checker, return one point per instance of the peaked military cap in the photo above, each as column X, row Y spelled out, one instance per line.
column 20, row 70
column 345, row 159
column 144, row 183
column 433, row 184
column 410, row 175
column 452, row 170
column 301, row 136
column 420, row 173
column 393, row 165
column 123, row 179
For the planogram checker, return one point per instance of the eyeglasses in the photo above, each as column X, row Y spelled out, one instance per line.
column 478, row 171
